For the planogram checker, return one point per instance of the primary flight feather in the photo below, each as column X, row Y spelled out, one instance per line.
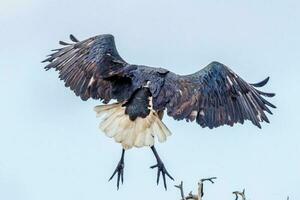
column 213, row 96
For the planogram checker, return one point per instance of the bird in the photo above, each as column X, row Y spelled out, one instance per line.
column 133, row 98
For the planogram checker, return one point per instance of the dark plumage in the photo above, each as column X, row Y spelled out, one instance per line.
column 213, row 96
column 138, row 105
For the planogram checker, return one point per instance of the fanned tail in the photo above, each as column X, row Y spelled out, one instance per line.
column 140, row 132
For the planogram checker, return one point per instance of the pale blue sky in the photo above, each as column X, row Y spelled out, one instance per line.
column 50, row 147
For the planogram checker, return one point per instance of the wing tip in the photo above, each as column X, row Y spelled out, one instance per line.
column 46, row 68
column 73, row 38
column 64, row 43
column 47, row 60
column 266, row 94
column 261, row 83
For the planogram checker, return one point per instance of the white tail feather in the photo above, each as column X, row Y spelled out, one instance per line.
column 140, row 132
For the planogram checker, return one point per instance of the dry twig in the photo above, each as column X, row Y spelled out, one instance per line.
column 180, row 186
column 241, row 194
column 200, row 189
column 200, row 185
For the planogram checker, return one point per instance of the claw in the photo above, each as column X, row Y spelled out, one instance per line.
column 120, row 170
column 152, row 167
column 162, row 170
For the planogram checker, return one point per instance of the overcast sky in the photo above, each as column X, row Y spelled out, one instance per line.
column 51, row 148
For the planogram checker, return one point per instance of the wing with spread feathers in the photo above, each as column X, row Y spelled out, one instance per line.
column 213, row 96
column 85, row 66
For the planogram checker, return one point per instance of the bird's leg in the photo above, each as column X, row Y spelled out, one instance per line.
column 119, row 169
column 160, row 168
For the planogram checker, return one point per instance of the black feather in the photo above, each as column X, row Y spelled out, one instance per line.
column 64, row 43
column 262, row 83
column 73, row 38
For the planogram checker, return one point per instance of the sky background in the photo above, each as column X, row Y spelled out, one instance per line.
column 51, row 148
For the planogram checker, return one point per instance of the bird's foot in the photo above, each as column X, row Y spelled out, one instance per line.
column 162, row 170
column 120, row 170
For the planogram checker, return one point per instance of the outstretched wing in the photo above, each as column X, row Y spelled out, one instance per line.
column 214, row 96
column 86, row 65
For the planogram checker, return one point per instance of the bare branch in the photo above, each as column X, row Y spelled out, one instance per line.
column 200, row 185
column 192, row 196
column 200, row 189
column 181, row 190
column 209, row 179
column 183, row 197
column 241, row 194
